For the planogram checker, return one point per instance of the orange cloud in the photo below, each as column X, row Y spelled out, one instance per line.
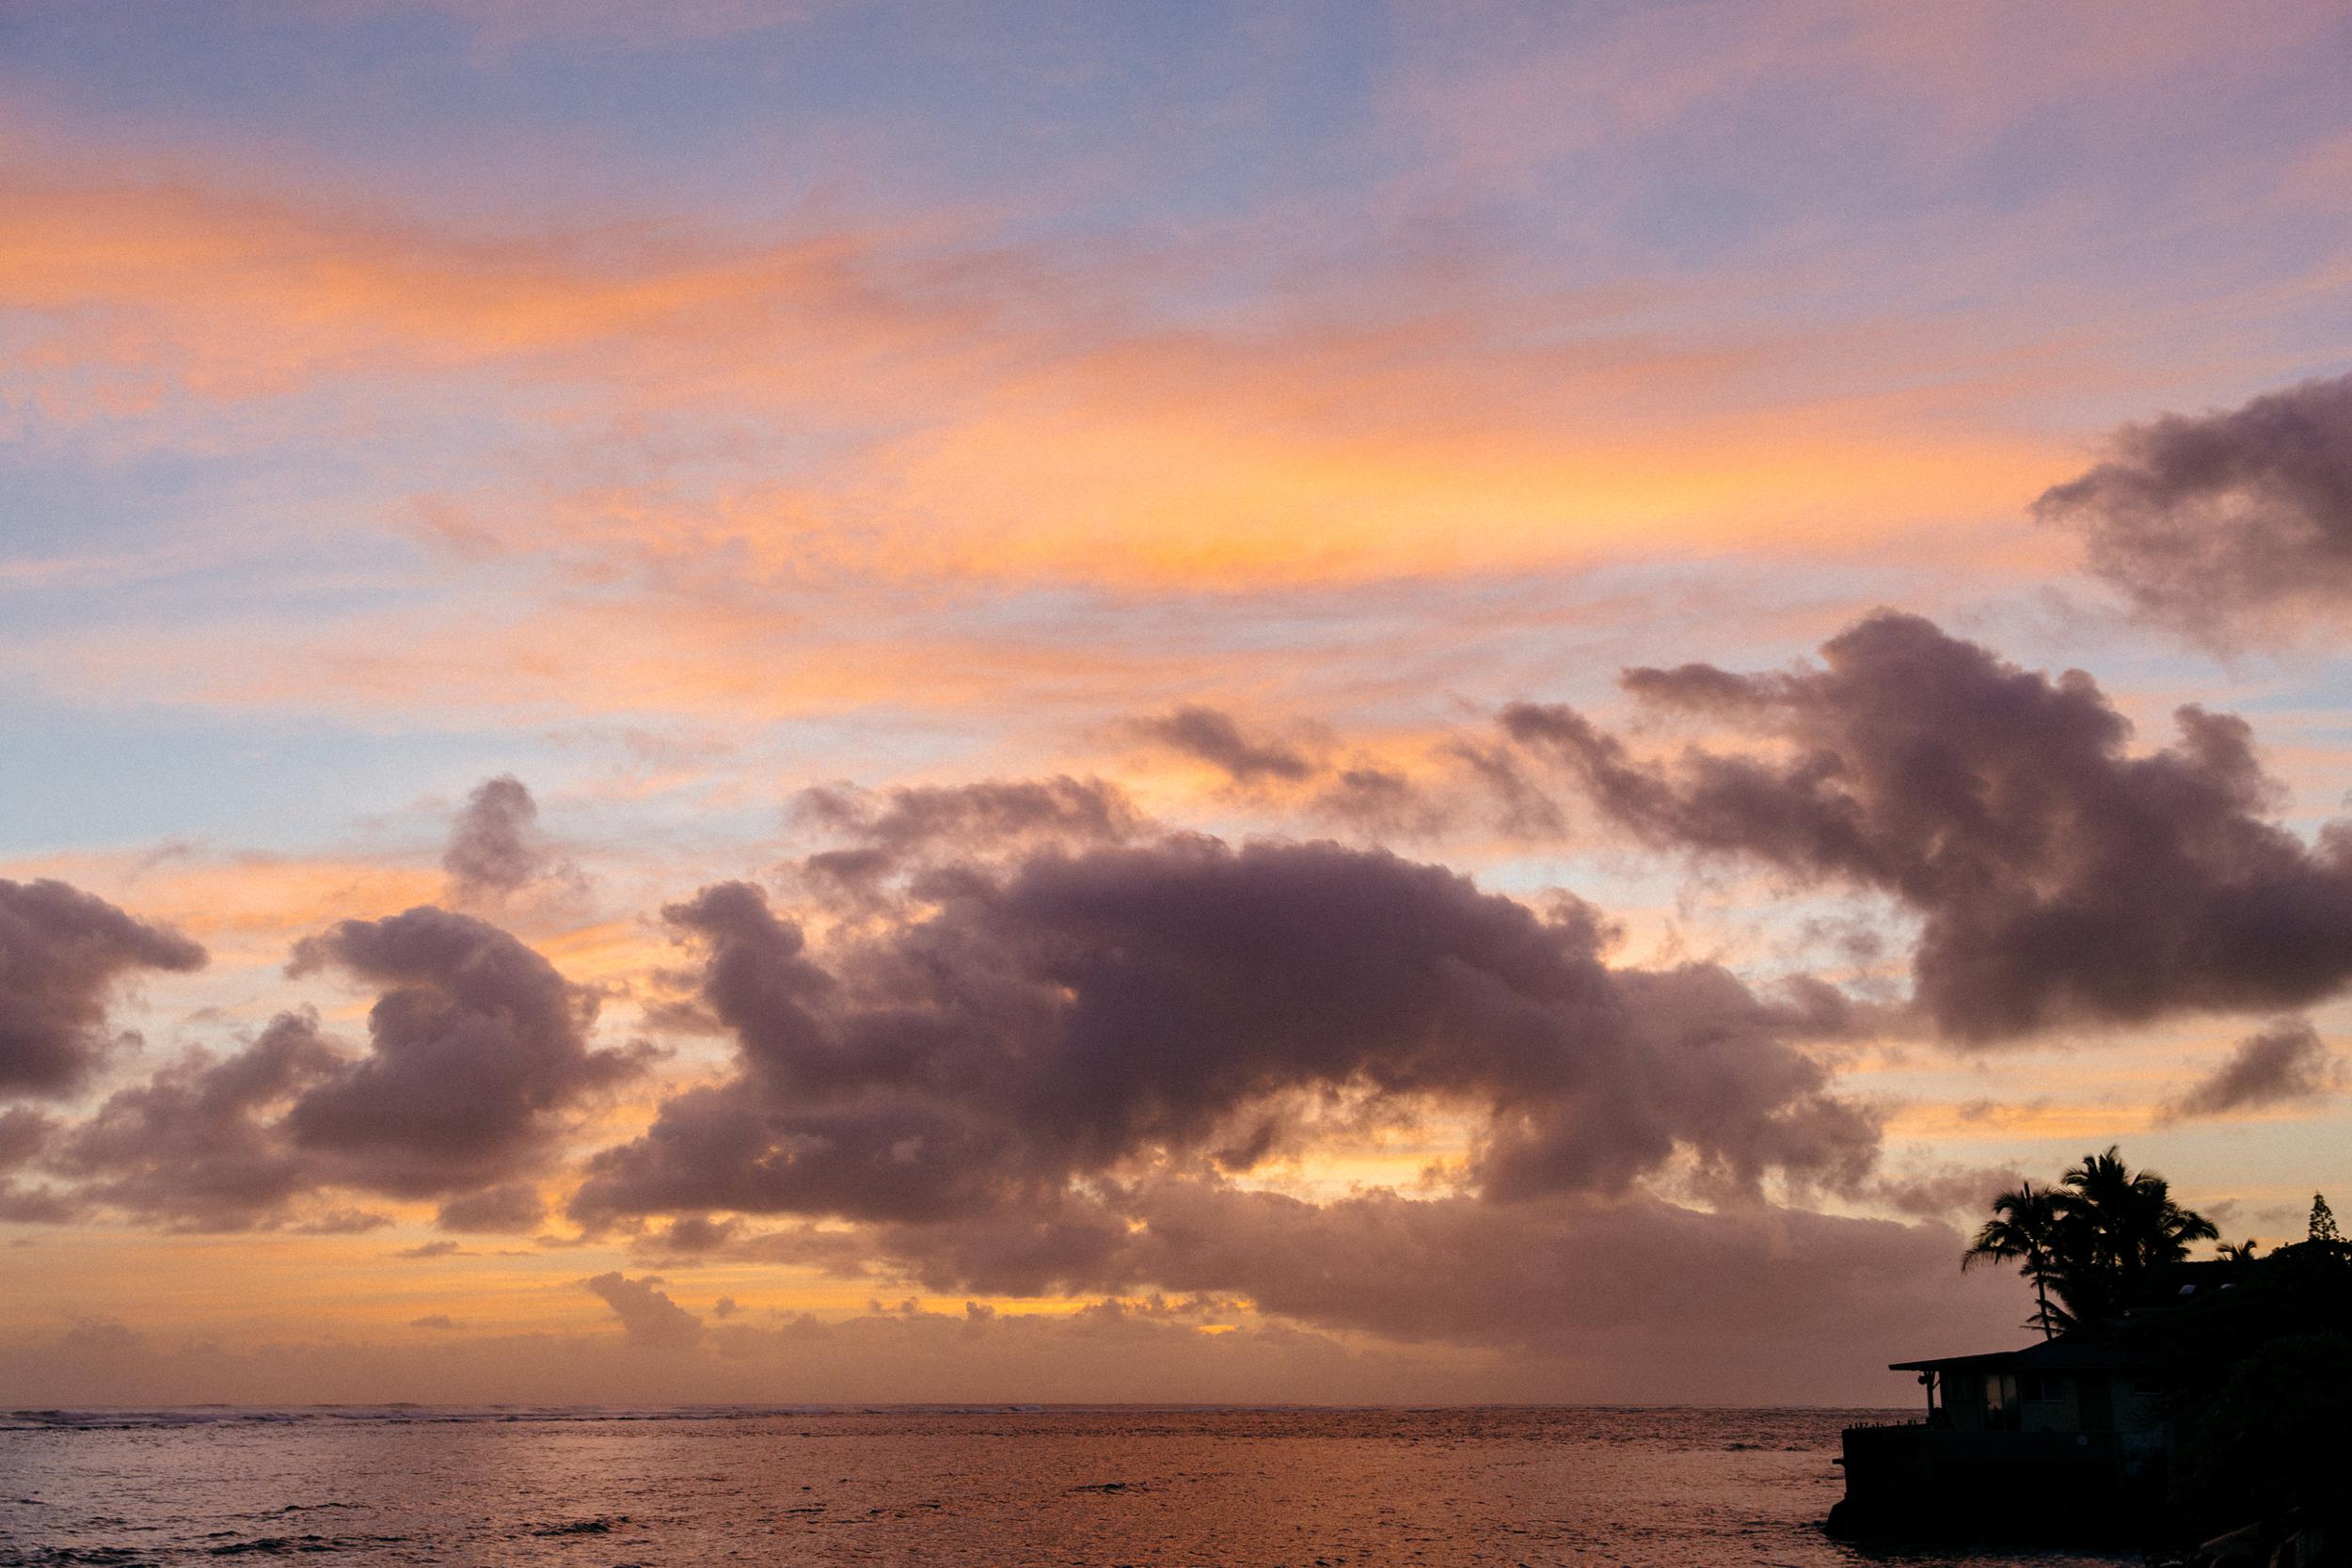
column 992, row 429
column 245, row 907
column 789, row 476
column 156, row 289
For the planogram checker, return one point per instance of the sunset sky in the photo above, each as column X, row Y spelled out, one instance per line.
column 729, row 701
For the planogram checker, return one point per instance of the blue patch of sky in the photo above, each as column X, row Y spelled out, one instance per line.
column 58, row 508
column 173, row 539
column 137, row 776
column 1181, row 110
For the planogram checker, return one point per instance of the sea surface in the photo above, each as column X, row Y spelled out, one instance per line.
column 1004, row 1487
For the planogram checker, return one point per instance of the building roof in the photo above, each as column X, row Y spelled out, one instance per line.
column 2167, row 1286
column 2070, row 1354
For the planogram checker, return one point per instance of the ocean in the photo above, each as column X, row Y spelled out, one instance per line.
column 1005, row 1487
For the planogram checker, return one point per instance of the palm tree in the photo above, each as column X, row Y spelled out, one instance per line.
column 2115, row 1225
column 2090, row 1240
column 2024, row 1230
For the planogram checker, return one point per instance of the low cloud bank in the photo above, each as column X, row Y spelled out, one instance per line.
column 1134, row 1349
column 648, row 1316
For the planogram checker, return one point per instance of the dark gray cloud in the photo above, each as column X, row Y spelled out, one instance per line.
column 493, row 847
column 24, row 1133
column 62, row 954
column 477, row 1055
column 648, row 1317
column 1216, row 738
column 1523, row 809
column 2285, row 1064
column 475, row 1049
column 342, row 1222
column 198, row 1146
column 1308, row 776
column 685, row 1240
column 883, row 834
column 1378, row 800
column 1578, row 1274
column 1074, row 1014
column 1949, row 1191
column 1633, row 1282
column 25, row 1136
column 513, row 1206
column 2058, row 877
column 2228, row 523
column 960, row 819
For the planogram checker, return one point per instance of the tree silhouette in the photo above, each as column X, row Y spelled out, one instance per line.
column 2023, row 1229
column 2093, row 1240
column 2323, row 1220
column 2117, row 1225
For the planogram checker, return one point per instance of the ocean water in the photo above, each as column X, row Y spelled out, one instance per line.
column 1007, row 1488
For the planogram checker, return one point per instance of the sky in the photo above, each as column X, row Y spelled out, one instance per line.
column 841, row 701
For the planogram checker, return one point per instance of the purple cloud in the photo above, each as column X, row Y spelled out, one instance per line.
column 2229, row 524
column 62, row 954
column 2058, row 877
column 2285, row 1064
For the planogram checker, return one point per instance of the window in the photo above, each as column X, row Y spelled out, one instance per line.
column 2041, row 1387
